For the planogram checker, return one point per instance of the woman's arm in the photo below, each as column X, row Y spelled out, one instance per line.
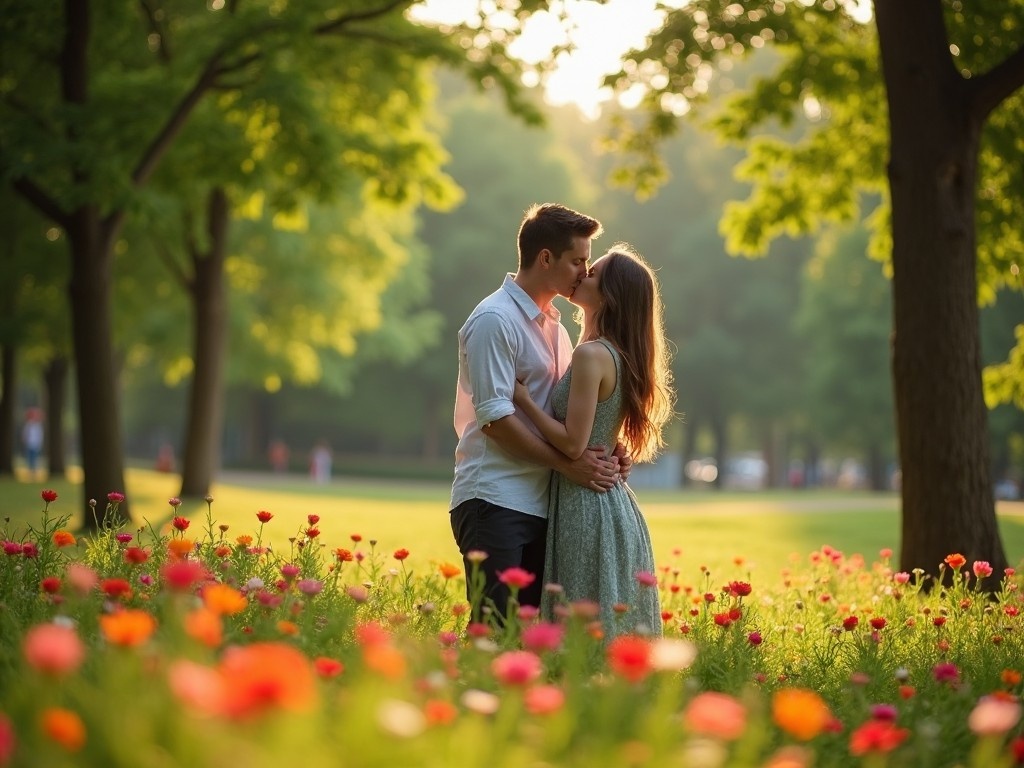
column 590, row 363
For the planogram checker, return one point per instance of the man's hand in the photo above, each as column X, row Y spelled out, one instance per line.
column 593, row 470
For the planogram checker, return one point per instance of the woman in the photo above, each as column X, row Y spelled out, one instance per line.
column 618, row 387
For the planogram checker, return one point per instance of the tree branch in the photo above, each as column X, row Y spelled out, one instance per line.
column 348, row 18
column 42, row 201
column 163, row 50
column 998, row 84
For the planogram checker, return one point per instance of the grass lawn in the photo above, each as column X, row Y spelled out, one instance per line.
column 767, row 530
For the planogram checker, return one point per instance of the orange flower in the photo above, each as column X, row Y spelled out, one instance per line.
column 179, row 547
column 630, row 657
column 63, row 538
column 1010, row 677
column 439, row 712
column 263, row 676
column 127, row 628
column 224, row 600
column 801, row 713
column 286, row 627
column 244, row 540
column 716, row 714
column 384, row 659
column 791, row 757
column 956, row 561
column 64, row 727
column 449, row 571
column 205, row 626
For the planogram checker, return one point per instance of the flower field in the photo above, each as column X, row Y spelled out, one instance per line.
column 204, row 646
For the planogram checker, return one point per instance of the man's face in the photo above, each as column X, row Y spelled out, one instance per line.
column 571, row 268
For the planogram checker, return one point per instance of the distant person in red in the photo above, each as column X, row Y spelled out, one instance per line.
column 277, row 453
column 165, row 458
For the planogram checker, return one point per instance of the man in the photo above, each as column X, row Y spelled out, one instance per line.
column 499, row 502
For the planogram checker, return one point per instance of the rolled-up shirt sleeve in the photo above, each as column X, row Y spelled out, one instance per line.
column 491, row 347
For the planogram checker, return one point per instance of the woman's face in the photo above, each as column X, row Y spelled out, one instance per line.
column 588, row 293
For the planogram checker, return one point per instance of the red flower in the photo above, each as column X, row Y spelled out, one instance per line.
column 401, row 554
column 876, row 736
column 938, row 621
column 327, row 667
column 722, row 619
column 630, row 657
column 115, row 497
column 180, row 523
column 263, row 516
column 517, row 667
column 877, row 622
column 754, row 638
column 50, row 585
column 312, row 533
column 29, row 549
column 946, row 673
column 116, row 588
column 850, row 623
column 49, row 495
column 356, row 538
column 516, row 578
column 956, row 561
column 136, row 555
column 738, row 588
column 313, row 519
column 343, row 555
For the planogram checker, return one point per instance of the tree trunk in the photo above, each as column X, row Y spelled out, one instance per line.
column 56, row 378
column 98, row 407
column 720, row 435
column 8, row 407
column 877, row 480
column 941, row 422
column 205, row 418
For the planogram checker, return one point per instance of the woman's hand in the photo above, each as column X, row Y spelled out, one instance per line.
column 521, row 395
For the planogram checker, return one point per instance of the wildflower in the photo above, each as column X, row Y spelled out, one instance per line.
column 263, row 516
column 516, row 578
column 754, row 638
column 179, row 548
column 12, row 548
column 542, row 637
column 310, row 587
column 938, row 621
column 64, row 727
column 476, row 556
column 629, row 657
column 127, row 628
column 205, row 626
column 850, row 623
column 181, row 575
column 327, row 667
column 384, row 659
column 543, row 699
column 801, row 713
column 646, row 579
column 288, row 628
column 358, row 593
column 49, row 496
column 7, row 740
column 885, row 553
column 722, row 619
column 791, row 757
column 356, row 538
column 877, row 622
column 481, row 702
column 901, row 578
column 1010, row 677
column 478, row 629
column 82, row 578
column 401, row 554
column 116, row 588
column 956, row 561
column 180, row 523
column 946, row 672
column 289, row 571
column 714, row 714
column 517, row 667
column 876, row 736
column 224, row 599
column 670, row 655
column 123, row 537
column 883, row 712
column 53, row 649
column 439, row 712
column 994, row 715
column 63, row 538
column 906, row 691
column 343, row 555
column 30, row 550
column 136, row 555
column 313, row 519
column 115, row 497
column 982, row 569
column 51, row 585
column 738, row 588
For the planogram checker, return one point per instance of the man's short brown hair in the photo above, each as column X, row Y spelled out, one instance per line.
column 552, row 226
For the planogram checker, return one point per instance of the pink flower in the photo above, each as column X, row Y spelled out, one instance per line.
column 289, row 571
column 647, row 579
column 754, row 638
column 543, row 699
column 715, row 714
column 515, row 577
column 543, row 637
column 883, row 712
column 123, row 537
column 885, row 553
column 30, row 550
column 517, row 667
column 982, row 569
column 946, row 672
column 528, row 612
column 901, row 578
column 115, row 497
column 53, row 649
column 174, row 501
column 82, row 578
column 994, row 715
column 7, row 740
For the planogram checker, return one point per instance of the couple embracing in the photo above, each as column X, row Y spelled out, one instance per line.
column 548, row 432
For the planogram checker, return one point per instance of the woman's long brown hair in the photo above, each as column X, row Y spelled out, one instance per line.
column 630, row 317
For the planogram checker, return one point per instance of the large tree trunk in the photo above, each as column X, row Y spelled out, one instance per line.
column 940, row 411
column 98, row 407
column 56, row 378
column 8, row 406
column 205, row 416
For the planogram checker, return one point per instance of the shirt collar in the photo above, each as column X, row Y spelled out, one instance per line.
column 527, row 304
